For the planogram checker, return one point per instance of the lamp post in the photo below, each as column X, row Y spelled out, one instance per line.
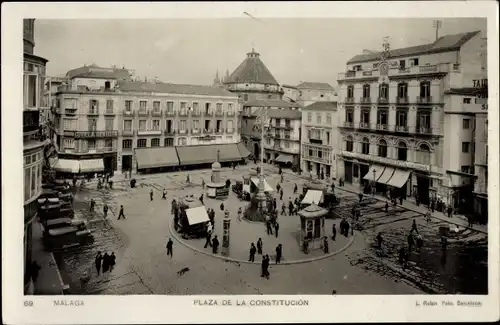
column 262, row 126
column 374, row 183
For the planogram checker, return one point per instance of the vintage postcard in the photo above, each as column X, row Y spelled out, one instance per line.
column 250, row 162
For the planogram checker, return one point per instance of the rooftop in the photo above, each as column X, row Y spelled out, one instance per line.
column 271, row 103
column 322, row 106
column 445, row 43
column 95, row 71
column 162, row 87
column 314, row 85
column 286, row 113
column 251, row 70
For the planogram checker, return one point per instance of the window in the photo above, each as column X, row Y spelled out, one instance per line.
column 382, row 148
column 156, row 125
column 218, row 125
column 402, row 64
column 349, row 116
column 92, row 124
column 208, row 109
column 402, row 151
column 156, row 106
column 402, row 90
column 245, row 97
column 287, row 144
column 365, row 116
column 141, row 143
column 424, row 120
column 349, row 145
column 230, row 125
column 183, row 107
column 155, row 142
column 170, row 107
column 91, row 144
column 277, row 121
column 109, row 106
column 127, row 125
column 287, row 122
column 425, row 89
column 127, row 144
column 401, row 118
column 32, row 90
column 108, row 124
column 142, row 125
column 327, row 137
column 318, row 118
column 196, row 124
column 350, row 91
column 424, row 154
column 143, row 105
column 182, row 141
column 309, row 117
column 382, row 117
column 466, row 100
column 218, row 108
column 196, row 107
column 466, row 123
column 464, row 169
column 27, row 183
column 315, row 134
column 366, row 91
column 182, row 125
column 69, row 125
column 69, row 143
column 465, row 147
column 355, row 170
column 311, row 153
column 365, row 146
column 268, row 141
column 108, row 143
column 384, row 91
column 33, row 179
column 207, row 125
column 128, row 105
column 169, row 142
column 328, row 118
column 414, row 62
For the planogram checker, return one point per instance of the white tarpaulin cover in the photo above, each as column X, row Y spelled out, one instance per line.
column 65, row 165
column 91, row 165
column 399, row 178
column 268, row 187
column 313, row 196
column 378, row 172
column 197, row 215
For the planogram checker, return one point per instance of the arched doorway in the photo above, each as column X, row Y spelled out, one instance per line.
column 256, row 150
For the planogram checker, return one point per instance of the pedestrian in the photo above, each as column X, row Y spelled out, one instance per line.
column 170, row 246
column 419, row 242
column 234, row 166
column 470, row 220
column 112, row 261
column 432, row 206
column 444, row 244
column 265, row 267
column 278, row 188
column 240, row 212
column 202, row 183
column 417, row 200
column 121, row 214
column 276, row 228
column 400, row 200
column 290, row 207
column 164, row 195
column 252, row 253
column 379, row 240
column 411, row 241
column 346, row 231
column 360, row 195
column 450, row 211
column 105, row 263
column 201, row 199
column 386, row 207
column 283, row 210
column 281, row 194
column 282, row 178
column 353, row 211
column 259, row 246
column 188, row 180
column 215, row 245
column 105, row 210
column 222, row 206
column 208, row 236
column 92, row 205
column 74, row 181
column 279, row 252
column 98, row 262
column 34, row 271
column 268, row 225
column 151, row 194
column 325, row 245
column 295, row 188
column 333, row 187
column 334, row 232
column 414, row 227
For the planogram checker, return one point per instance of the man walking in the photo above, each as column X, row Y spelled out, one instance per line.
column 121, row 214
column 283, row 210
column 170, row 246
column 279, row 253
column 164, row 196
column 450, row 211
column 252, row 253
column 215, row 245
column 276, row 228
column 325, row 245
column 259, row 246
column 268, row 225
column 98, row 262
column 334, row 232
column 208, row 241
column 281, row 180
column 295, row 188
column 281, row 194
column 151, row 194
column 105, row 210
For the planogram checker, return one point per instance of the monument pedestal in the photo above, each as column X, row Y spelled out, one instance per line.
column 216, row 188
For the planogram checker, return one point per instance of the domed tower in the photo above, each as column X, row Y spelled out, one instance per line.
column 252, row 80
column 28, row 35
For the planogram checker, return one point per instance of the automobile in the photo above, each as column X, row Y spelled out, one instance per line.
column 48, row 196
column 62, row 223
column 65, row 237
column 238, row 188
column 49, row 211
column 68, row 197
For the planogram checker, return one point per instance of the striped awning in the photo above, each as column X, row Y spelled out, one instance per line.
column 65, row 165
column 379, row 170
column 244, row 152
column 156, row 157
column 399, row 178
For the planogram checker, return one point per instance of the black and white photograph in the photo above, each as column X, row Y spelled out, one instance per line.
column 255, row 155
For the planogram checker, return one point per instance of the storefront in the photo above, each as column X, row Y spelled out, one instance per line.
column 156, row 158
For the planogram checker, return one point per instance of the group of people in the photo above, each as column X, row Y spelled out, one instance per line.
column 259, row 249
column 106, row 261
column 344, row 228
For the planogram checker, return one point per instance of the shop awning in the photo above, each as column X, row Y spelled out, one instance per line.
column 91, row 166
column 399, row 178
column 284, row 158
column 379, row 170
column 156, row 157
column 65, row 165
column 195, row 155
column 197, row 215
column 244, row 152
column 268, row 187
column 227, row 152
column 313, row 197
column 386, row 175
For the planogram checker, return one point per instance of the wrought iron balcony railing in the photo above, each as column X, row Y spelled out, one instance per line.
column 402, row 100
column 424, row 100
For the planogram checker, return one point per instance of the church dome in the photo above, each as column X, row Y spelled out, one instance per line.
column 252, row 70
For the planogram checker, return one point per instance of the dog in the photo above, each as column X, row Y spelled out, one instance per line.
column 182, row 271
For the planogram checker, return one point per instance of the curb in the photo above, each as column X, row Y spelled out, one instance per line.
column 229, row 259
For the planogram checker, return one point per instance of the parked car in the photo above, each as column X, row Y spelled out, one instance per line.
column 65, row 237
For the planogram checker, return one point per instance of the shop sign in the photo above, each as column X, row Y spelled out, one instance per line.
column 386, row 161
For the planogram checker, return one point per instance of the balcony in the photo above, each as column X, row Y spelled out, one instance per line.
column 96, row 134
column 424, row 100
column 170, row 132
column 143, row 112
column 349, row 100
column 349, row 125
column 69, row 133
column 70, row 112
column 31, row 121
column 398, row 71
column 402, row 128
column 230, row 113
column 95, row 150
column 219, row 113
column 128, row 133
column 365, row 100
column 209, row 113
column 230, row 130
column 208, row 131
column 280, row 126
column 428, row 68
column 169, row 113
column 109, row 112
column 183, row 131
column 196, row 113
column 183, row 112
column 382, row 127
column 195, row 131
column 402, row 100
column 93, row 112
column 156, row 113
column 149, row 132
column 423, row 130
column 128, row 112
column 219, row 130
column 364, row 125
column 382, row 100
column 315, row 141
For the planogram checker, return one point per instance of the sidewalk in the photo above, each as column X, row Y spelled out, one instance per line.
column 458, row 220
column 49, row 280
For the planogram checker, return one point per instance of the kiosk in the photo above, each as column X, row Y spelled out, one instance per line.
column 312, row 227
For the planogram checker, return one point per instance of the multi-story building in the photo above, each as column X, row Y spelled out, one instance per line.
column 400, row 128
column 33, row 142
column 99, row 128
column 307, row 93
column 320, row 134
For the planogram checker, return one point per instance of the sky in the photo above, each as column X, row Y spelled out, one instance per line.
column 190, row 51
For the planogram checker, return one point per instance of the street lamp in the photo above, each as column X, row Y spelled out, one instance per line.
column 373, row 186
column 262, row 125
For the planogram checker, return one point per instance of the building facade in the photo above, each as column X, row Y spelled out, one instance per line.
column 33, row 141
column 108, row 123
column 320, row 136
column 307, row 93
column 400, row 128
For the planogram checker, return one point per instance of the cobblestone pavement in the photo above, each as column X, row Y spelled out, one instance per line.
column 143, row 267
